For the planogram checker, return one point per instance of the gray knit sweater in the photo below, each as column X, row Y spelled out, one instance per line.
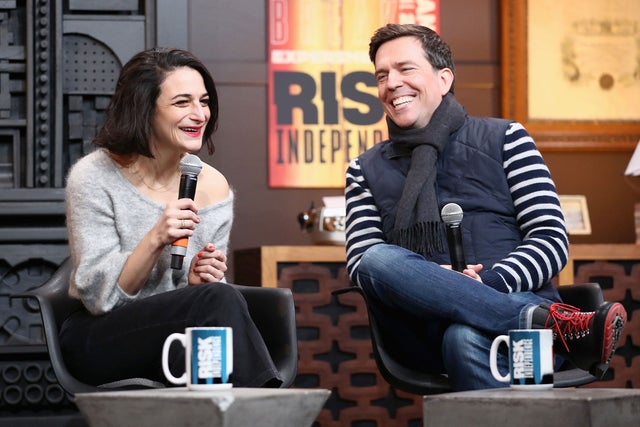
column 106, row 219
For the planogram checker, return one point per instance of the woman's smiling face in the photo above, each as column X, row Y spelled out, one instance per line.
column 182, row 111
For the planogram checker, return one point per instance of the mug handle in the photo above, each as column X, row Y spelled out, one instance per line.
column 493, row 358
column 165, row 358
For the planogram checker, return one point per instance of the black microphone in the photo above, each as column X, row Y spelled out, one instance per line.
column 190, row 167
column 452, row 217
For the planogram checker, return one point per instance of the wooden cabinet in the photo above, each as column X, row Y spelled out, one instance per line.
column 597, row 252
column 260, row 265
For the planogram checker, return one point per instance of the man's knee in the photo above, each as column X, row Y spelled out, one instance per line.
column 379, row 257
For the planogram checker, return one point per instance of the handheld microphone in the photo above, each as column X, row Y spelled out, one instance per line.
column 452, row 217
column 190, row 167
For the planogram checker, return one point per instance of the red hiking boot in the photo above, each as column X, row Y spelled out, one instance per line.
column 589, row 339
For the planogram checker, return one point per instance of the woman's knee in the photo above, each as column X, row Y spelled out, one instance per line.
column 218, row 301
column 220, row 292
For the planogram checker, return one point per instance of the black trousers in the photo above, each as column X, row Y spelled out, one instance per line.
column 127, row 342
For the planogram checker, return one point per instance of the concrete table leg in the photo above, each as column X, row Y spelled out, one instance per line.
column 176, row 407
column 594, row 407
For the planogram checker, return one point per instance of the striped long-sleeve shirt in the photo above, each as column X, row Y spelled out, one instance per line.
column 544, row 248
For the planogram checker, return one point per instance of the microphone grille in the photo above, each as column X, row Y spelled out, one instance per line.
column 451, row 214
column 190, row 164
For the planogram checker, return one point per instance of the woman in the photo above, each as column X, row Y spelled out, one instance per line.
column 123, row 213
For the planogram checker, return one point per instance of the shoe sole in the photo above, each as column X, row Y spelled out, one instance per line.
column 614, row 320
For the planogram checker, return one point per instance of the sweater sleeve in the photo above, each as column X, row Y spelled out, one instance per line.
column 544, row 249
column 95, row 247
column 363, row 222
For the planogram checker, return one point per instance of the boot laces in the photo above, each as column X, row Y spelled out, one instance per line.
column 568, row 322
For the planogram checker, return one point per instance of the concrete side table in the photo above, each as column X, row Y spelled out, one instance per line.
column 594, row 407
column 175, row 407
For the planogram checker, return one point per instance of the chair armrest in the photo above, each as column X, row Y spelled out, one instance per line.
column 273, row 312
column 585, row 296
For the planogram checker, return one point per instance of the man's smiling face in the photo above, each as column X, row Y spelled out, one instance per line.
column 409, row 88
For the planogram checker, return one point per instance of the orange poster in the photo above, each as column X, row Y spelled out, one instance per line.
column 323, row 104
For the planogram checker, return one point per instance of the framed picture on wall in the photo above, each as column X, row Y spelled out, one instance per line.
column 571, row 71
column 576, row 214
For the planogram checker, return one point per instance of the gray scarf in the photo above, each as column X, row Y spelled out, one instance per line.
column 418, row 226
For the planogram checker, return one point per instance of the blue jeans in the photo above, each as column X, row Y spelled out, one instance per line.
column 438, row 320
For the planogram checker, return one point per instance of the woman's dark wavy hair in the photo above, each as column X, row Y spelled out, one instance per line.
column 435, row 49
column 129, row 117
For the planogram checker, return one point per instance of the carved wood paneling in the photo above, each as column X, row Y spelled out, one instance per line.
column 620, row 281
column 335, row 351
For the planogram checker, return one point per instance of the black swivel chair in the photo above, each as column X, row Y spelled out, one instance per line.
column 272, row 310
column 587, row 297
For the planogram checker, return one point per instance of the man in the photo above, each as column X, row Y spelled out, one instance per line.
column 514, row 234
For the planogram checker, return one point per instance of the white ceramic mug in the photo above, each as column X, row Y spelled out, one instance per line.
column 208, row 357
column 530, row 358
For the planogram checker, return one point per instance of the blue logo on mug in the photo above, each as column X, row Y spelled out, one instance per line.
column 525, row 359
column 209, row 356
